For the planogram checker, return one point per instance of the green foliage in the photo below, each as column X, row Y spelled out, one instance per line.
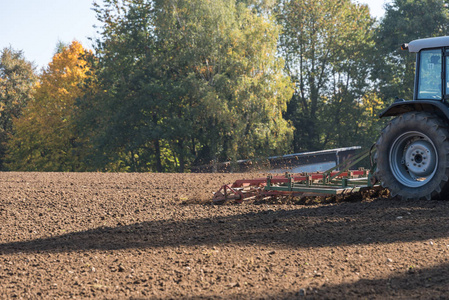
column 328, row 47
column 179, row 83
column 122, row 117
column 60, row 46
column 185, row 82
column 17, row 80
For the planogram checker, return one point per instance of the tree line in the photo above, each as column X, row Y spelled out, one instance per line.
column 174, row 84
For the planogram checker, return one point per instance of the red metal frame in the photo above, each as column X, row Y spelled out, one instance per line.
column 245, row 189
column 261, row 182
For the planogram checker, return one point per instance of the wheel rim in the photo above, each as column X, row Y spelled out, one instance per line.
column 413, row 159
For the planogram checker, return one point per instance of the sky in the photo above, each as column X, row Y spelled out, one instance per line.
column 36, row 26
column 376, row 7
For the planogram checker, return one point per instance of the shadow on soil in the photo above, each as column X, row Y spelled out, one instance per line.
column 428, row 283
column 380, row 221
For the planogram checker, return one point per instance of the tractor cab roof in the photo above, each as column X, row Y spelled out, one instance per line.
column 435, row 42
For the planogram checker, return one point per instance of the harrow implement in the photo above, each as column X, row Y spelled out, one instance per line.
column 335, row 181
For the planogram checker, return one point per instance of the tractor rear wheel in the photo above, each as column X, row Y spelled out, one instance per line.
column 413, row 156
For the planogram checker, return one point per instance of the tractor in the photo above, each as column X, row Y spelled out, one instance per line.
column 410, row 158
column 413, row 149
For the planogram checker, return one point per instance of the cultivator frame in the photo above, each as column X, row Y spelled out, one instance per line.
column 335, row 181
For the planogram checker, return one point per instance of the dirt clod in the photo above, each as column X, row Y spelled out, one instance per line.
column 158, row 236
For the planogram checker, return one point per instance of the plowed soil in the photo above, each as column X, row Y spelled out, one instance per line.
column 157, row 236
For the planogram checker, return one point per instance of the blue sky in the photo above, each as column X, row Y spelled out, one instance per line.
column 375, row 6
column 36, row 26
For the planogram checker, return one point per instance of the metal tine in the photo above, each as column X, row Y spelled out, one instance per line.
column 344, row 166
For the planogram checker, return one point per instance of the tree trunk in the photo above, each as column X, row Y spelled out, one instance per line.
column 181, row 156
column 157, row 148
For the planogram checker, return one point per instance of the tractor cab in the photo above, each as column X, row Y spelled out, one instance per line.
column 431, row 91
column 413, row 149
column 432, row 63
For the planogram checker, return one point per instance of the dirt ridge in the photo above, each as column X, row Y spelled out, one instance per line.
column 115, row 236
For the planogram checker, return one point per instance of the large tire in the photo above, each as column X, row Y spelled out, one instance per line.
column 413, row 157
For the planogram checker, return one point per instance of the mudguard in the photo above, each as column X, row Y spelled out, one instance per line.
column 437, row 107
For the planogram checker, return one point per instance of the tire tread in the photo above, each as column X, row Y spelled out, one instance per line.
column 385, row 176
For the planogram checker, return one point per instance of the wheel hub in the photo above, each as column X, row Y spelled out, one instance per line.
column 420, row 158
column 413, row 159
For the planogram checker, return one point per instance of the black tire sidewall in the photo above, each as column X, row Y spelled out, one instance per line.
column 428, row 125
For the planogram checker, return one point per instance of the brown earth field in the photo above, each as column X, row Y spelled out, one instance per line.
column 158, row 236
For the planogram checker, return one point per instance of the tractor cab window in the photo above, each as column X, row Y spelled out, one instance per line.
column 446, row 59
column 429, row 81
